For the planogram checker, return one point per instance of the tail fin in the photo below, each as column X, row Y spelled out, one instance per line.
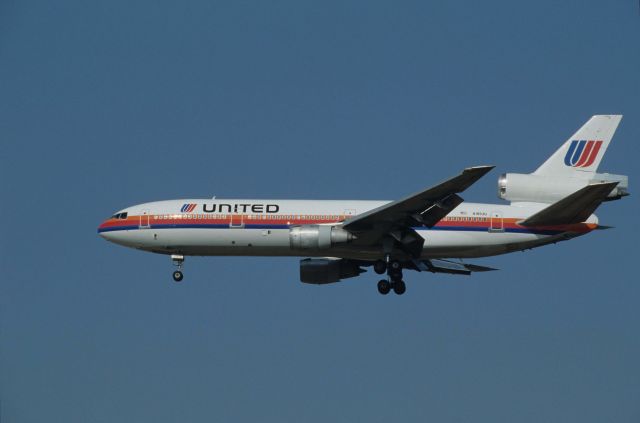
column 580, row 156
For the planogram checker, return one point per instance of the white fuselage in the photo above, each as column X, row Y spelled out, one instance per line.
column 208, row 227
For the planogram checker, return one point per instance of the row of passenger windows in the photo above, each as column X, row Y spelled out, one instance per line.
column 466, row 219
column 329, row 217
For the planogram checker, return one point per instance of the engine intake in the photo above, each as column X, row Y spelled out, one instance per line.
column 317, row 237
column 327, row 270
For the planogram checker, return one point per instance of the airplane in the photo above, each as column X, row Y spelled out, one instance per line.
column 430, row 231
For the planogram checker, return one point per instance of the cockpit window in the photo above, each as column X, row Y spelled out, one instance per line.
column 116, row 216
column 123, row 215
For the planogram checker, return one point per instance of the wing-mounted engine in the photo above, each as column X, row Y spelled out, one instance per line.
column 327, row 270
column 518, row 187
column 318, row 237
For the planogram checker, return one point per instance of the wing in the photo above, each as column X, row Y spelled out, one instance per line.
column 425, row 208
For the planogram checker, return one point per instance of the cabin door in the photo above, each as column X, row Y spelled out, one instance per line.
column 237, row 220
column 144, row 220
column 497, row 224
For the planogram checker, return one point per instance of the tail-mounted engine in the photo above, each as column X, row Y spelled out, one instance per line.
column 317, row 237
column 549, row 189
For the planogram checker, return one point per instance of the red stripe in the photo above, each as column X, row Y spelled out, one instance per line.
column 594, row 154
column 585, row 154
column 508, row 223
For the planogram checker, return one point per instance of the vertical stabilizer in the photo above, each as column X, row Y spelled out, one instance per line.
column 580, row 156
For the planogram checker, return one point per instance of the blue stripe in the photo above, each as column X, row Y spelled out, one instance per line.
column 118, row 228
column 567, row 157
column 578, row 152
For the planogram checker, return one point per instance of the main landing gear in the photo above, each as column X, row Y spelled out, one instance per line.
column 394, row 281
column 178, row 261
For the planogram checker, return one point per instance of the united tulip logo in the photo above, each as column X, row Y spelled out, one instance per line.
column 188, row 208
column 582, row 153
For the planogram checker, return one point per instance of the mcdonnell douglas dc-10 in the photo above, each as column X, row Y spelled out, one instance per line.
column 429, row 231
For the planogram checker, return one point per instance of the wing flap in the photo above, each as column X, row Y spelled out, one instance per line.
column 575, row 208
column 452, row 267
column 438, row 210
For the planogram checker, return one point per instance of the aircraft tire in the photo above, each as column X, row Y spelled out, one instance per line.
column 384, row 286
column 380, row 267
column 399, row 287
column 177, row 276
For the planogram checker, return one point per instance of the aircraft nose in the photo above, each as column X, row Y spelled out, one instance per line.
column 102, row 230
column 107, row 230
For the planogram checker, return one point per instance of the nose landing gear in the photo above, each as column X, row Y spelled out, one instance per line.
column 178, row 261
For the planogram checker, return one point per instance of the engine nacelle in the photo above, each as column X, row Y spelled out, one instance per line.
column 327, row 270
column 549, row 189
column 317, row 237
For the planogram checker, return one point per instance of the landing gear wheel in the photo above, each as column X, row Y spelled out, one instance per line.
column 384, row 287
column 380, row 267
column 178, row 260
column 399, row 287
column 177, row 276
column 395, row 265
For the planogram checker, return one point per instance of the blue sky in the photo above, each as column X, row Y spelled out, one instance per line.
column 109, row 104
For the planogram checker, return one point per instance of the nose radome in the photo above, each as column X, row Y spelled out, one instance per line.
column 101, row 230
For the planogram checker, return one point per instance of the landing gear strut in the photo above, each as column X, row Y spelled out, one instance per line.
column 177, row 260
column 394, row 273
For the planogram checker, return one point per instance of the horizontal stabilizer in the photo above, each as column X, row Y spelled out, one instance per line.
column 446, row 266
column 575, row 208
